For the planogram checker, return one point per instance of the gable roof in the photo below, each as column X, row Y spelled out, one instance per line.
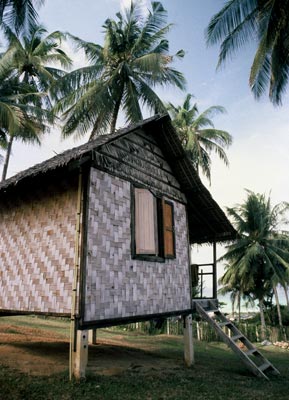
column 207, row 222
column 66, row 157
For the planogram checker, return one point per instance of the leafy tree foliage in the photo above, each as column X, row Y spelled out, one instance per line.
column 259, row 258
column 122, row 73
column 20, row 118
column 19, row 15
column 27, row 77
column 198, row 134
column 265, row 22
column 31, row 56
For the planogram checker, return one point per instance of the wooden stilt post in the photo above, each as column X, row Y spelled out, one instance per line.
column 215, row 279
column 81, row 355
column 188, row 341
column 92, row 336
column 75, row 286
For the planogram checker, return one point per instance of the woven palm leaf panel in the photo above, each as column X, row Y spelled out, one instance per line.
column 37, row 235
column 121, row 280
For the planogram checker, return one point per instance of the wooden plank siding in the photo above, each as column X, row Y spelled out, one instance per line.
column 138, row 158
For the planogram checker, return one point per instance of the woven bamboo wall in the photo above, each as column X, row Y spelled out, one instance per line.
column 116, row 285
column 37, row 233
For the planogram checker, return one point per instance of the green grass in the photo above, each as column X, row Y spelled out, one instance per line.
column 56, row 325
column 217, row 374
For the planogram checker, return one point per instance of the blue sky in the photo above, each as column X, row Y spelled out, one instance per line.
column 259, row 154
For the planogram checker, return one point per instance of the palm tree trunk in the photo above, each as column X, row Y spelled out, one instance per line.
column 239, row 306
column 262, row 317
column 285, row 287
column 278, row 306
column 7, row 157
column 279, row 313
column 115, row 114
column 233, row 308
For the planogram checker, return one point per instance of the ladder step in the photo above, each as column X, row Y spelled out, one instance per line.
column 251, row 351
column 236, row 337
column 225, row 323
column 213, row 310
column 264, row 366
column 231, row 341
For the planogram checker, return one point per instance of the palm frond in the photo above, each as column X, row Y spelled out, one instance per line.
column 279, row 71
column 266, row 22
column 20, row 14
column 200, row 143
column 215, row 136
column 82, row 115
column 238, row 37
column 132, row 61
column 131, row 103
column 229, row 18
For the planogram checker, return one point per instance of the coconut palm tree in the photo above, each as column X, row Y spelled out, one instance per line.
column 198, row 134
column 230, row 285
column 31, row 55
column 19, row 15
column 235, row 298
column 259, row 258
column 122, row 73
column 265, row 22
column 20, row 119
column 26, row 64
column 18, row 114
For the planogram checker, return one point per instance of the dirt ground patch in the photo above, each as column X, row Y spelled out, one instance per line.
column 32, row 350
column 43, row 352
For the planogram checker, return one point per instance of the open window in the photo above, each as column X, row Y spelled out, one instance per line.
column 153, row 226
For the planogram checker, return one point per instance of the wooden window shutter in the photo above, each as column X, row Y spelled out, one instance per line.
column 145, row 218
column 168, row 228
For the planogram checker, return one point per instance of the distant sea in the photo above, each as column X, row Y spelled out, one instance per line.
column 228, row 307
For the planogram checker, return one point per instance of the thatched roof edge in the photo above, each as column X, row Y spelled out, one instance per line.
column 207, row 221
column 76, row 153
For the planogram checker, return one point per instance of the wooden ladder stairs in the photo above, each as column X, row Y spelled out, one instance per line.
column 250, row 356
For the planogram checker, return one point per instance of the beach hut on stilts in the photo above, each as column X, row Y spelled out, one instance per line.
column 102, row 234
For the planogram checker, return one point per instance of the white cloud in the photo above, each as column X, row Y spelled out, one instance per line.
column 257, row 157
column 78, row 56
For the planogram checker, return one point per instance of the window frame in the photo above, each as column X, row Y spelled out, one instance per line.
column 171, row 204
column 146, row 240
column 159, row 228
